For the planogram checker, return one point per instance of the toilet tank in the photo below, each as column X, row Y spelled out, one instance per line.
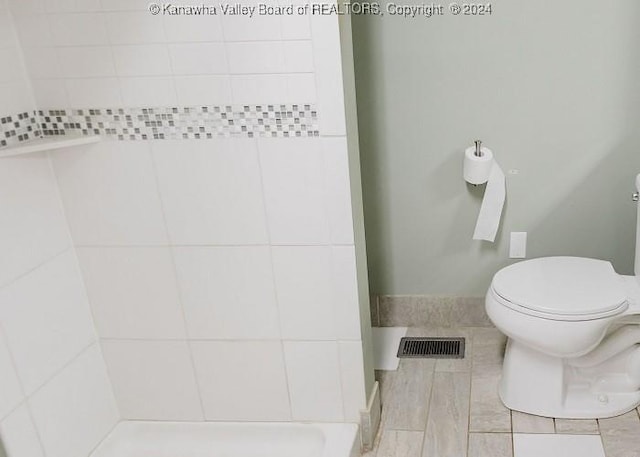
column 636, row 266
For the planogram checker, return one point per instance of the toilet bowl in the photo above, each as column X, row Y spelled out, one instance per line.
column 574, row 336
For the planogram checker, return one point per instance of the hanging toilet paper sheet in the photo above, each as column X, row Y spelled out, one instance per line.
column 484, row 169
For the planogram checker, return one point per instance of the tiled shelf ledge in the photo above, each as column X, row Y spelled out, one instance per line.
column 49, row 143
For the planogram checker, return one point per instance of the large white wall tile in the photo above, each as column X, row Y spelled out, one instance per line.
column 71, row 5
column 21, row 7
column 50, row 93
column 256, row 57
column 198, row 58
column 133, row 292
column 10, row 390
column 125, row 5
column 296, row 27
column 303, row 277
column 228, row 292
column 243, row 380
column 301, row 88
column 78, row 29
column 46, row 319
column 41, row 62
column 328, row 66
column 259, row 88
column 354, row 398
column 317, row 292
column 148, row 91
column 203, row 90
column 313, row 373
column 294, row 180
column 110, row 195
column 345, row 292
column 153, row 379
column 335, row 154
column 298, row 56
column 11, row 70
column 92, row 92
column 33, row 227
column 16, row 97
column 256, row 28
column 189, row 29
column 142, row 60
column 83, row 62
column 33, row 29
column 134, row 27
column 211, row 191
column 19, row 435
column 76, row 409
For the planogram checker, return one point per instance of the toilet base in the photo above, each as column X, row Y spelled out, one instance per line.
column 536, row 383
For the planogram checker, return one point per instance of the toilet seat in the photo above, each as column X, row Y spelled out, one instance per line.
column 561, row 288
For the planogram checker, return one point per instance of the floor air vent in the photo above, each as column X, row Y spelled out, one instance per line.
column 438, row 348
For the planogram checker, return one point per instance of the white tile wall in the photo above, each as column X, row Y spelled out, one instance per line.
column 242, row 380
column 259, row 88
column 76, row 409
column 328, row 65
column 142, row 60
column 198, row 58
column 19, row 435
column 203, row 90
column 15, row 92
column 228, row 292
column 50, row 93
column 148, row 91
column 89, row 92
column 153, row 379
column 110, row 194
column 134, row 27
column 352, row 378
column 133, row 292
column 305, row 299
column 212, row 208
column 82, row 62
column 294, row 190
column 10, row 389
column 202, row 180
column 184, row 29
column 256, row 57
column 313, row 372
column 46, row 319
column 78, row 29
column 338, row 192
column 33, row 228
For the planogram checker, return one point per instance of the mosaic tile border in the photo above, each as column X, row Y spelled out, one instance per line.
column 19, row 127
column 194, row 122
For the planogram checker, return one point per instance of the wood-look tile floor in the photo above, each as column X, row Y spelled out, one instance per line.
column 450, row 408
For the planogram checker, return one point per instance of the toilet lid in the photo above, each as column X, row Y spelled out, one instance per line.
column 561, row 286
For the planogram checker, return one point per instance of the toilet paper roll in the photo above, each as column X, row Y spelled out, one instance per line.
column 478, row 170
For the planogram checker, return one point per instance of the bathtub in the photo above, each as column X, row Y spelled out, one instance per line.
column 219, row 439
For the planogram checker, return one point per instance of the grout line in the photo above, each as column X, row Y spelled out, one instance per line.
column 37, row 267
column 179, row 287
column 273, row 275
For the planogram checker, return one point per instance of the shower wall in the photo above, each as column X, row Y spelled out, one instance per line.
column 213, row 223
column 55, row 396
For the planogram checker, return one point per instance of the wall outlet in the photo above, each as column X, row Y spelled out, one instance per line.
column 518, row 245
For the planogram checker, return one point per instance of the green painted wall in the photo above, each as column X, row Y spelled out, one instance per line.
column 553, row 88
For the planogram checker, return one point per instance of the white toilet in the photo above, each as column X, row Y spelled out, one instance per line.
column 574, row 336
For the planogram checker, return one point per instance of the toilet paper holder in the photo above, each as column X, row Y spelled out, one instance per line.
column 478, row 151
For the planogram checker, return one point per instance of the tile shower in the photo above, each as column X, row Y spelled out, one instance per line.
column 124, row 292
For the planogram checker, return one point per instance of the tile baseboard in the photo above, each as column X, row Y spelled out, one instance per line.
column 370, row 419
column 429, row 310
